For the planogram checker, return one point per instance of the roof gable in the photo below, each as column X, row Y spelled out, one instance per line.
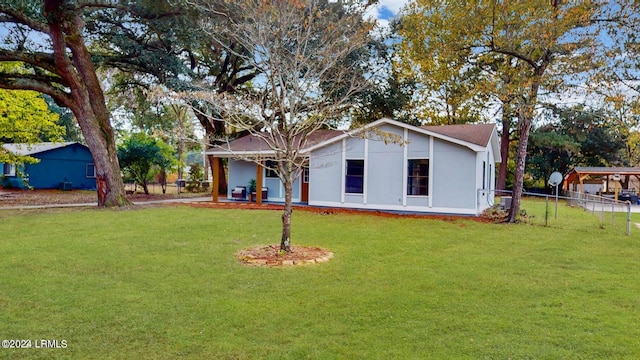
column 479, row 134
column 31, row 149
column 476, row 137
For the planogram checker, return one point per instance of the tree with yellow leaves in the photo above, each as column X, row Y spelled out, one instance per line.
column 532, row 47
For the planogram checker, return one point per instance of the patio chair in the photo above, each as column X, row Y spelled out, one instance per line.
column 239, row 193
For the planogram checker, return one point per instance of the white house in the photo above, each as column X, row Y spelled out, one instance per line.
column 385, row 165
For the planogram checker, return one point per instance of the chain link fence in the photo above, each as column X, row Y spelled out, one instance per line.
column 562, row 210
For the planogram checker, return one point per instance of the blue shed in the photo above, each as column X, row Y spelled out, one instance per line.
column 66, row 165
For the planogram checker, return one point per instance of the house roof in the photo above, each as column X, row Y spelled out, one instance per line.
column 479, row 134
column 251, row 144
column 474, row 136
column 30, row 149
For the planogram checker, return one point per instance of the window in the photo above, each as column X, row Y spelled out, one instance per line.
column 91, row 171
column 305, row 175
column 418, row 177
column 354, row 181
column 270, row 165
column 484, row 175
column 9, row 169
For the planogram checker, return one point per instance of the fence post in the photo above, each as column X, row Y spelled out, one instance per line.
column 613, row 212
column 628, row 218
column 546, row 211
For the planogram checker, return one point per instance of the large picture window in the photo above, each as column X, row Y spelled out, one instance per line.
column 354, row 180
column 418, row 177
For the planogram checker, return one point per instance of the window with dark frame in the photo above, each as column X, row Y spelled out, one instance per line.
column 9, row 169
column 91, row 171
column 418, row 177
column 270, row 166
column 305, row 175
column 484, row 175
column 354, row 179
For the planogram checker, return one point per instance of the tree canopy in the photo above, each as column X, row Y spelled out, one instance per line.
column 537, row 45
column 142, row 156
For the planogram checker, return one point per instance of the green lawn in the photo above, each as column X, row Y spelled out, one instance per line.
column 163, row 283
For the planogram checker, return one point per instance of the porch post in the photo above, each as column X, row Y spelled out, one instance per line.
column 259, row 183
column 216, row 179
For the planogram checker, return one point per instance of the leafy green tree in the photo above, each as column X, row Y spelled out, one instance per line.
column 142, row 157
column 25, row 118
column 196, row 176
column 576, row 136
column 139, row 36
column 549, row 151
column 66, row 119
column 543, row 43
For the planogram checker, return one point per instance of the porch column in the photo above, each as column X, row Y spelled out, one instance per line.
column 216, row 179
column 259, row 183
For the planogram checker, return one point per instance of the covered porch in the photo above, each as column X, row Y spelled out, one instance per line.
column 255, row 181
column 615, row 182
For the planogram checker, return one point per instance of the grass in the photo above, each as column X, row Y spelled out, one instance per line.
column 162, row 283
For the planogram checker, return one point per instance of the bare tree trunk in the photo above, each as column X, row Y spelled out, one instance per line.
column 88, row 103
column 524, row 125
column 285, row 242
column 525, row 117
column 504, row 153
column 163, row 181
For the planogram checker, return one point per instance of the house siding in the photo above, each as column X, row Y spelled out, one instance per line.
column 453, row 182
column 384, row 177
column 66, row 164
column 325, row 173
column 454, row 176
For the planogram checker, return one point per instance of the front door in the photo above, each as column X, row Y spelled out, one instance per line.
column 304, row 196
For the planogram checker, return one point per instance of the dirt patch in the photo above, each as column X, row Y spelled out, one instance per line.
column 270, row 255
column 334, row 211
column 16, row 197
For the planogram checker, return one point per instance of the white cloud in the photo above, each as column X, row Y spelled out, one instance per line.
column 393, row 5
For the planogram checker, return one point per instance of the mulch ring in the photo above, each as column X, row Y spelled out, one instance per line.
column 334, row 211
column 270, row 255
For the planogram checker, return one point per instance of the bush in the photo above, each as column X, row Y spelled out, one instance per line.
column 196, row 176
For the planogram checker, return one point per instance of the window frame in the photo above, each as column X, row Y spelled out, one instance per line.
column 11, row 172
column 86, row 171
column 269, row 165
column 352, row 176
column 411, row 188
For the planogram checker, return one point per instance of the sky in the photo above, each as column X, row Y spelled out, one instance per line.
column 387, row 9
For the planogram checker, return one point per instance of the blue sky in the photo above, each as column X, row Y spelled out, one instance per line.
column 387, row 9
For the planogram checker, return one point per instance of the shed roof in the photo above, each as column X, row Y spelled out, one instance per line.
column 30, row 149
column 606, row 170
column 579, row 174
